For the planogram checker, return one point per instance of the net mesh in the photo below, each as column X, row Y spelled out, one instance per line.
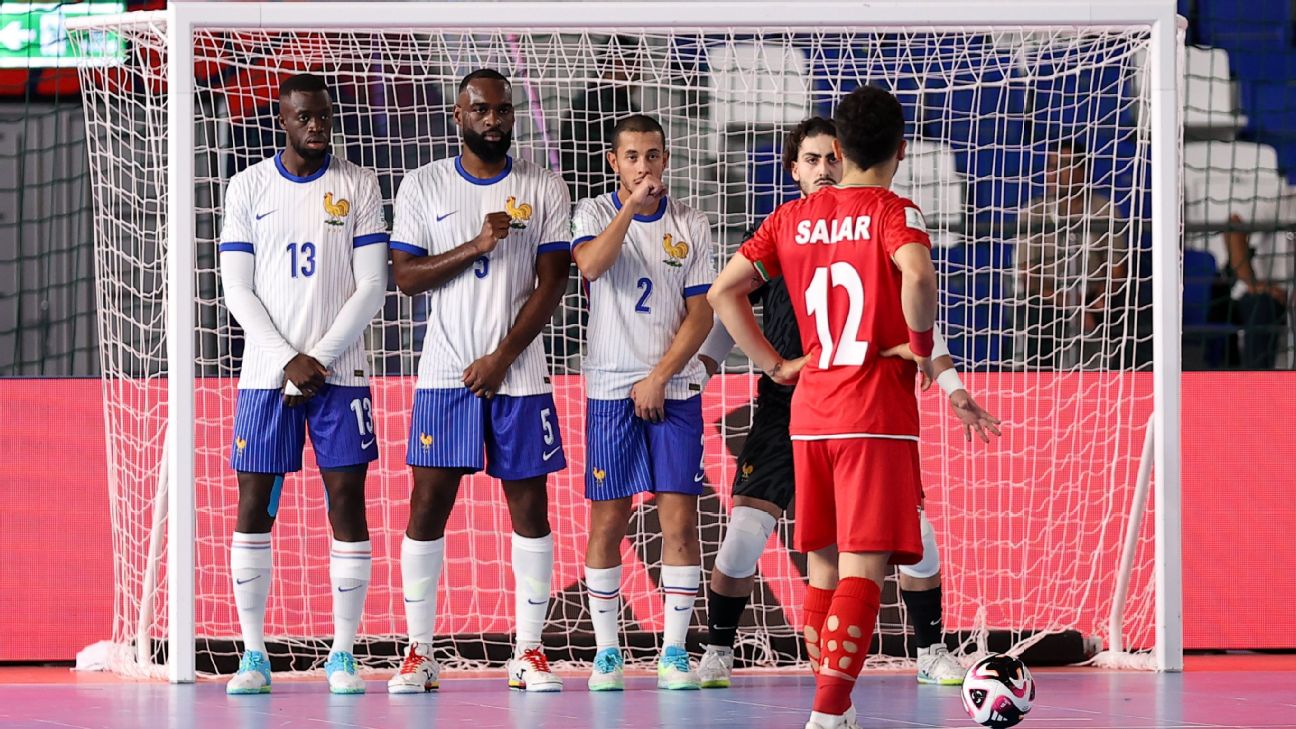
column 1029, row 155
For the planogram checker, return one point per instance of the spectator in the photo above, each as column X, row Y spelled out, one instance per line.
column 1073, row 308
column 1257, row 307
column 587, row 131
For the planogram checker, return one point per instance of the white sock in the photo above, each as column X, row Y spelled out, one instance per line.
column 532, row 578
column 823, row 719
column 604, row 587
column 679, row 585
column 349, row 564
column 420, row 574
column 250, row 566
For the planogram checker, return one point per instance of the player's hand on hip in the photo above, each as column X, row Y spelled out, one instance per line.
column 926, row 368
column 788, row 371
column 485, row 375
column 974, row 417
column 306, row 374
column 902, row 351
column 495, row 227
column 649, row 397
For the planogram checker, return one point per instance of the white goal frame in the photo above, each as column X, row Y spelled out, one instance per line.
column 183, row 18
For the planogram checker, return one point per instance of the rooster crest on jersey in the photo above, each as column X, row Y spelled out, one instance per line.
column 336, row 210
column 676, row 252
column 599, row 475
column 240, row 443
column 747, row 470
column 425, row 440
column 520, row 214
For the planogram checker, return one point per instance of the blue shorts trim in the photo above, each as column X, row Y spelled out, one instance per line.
column 626, row 455
column 269, row 436
column 513, row 438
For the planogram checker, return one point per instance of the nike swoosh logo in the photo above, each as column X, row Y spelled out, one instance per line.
column 604, row 611
column 935, row 622
column 262, row 215
column 698, row 478
column 550, row 454
column 366, row 444
column 348, row 589
column 443, row 217
column 244, row 582
column 682, row 609
column 536, row 602
column 407, row 600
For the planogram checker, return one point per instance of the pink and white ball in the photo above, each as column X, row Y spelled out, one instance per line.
column 998, row 691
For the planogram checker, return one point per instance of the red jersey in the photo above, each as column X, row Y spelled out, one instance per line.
column 834, row 250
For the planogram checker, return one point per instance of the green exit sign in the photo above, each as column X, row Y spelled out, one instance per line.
column 33, row 35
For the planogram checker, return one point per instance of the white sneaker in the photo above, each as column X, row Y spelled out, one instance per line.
column 937, row 666
column 419, row 673
column 609, row 671
column 253, row 675
column 845, row 721
column 343, row 678
column 674, row 672
column 530, row 671
column 716, row 667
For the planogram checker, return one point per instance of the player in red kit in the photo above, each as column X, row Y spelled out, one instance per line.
column 856, row 258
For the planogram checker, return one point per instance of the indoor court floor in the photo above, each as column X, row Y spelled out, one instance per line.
column 1216, row 691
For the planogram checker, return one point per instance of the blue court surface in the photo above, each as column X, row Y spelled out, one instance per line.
column 1221, row 692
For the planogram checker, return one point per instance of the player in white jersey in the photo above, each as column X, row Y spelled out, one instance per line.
column 648, row 261
column 303, row 259
column 487, row 237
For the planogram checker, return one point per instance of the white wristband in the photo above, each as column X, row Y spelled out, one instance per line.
column 949, row 381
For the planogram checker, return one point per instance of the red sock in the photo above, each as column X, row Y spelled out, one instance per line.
column 817, row 602
column 844, row 642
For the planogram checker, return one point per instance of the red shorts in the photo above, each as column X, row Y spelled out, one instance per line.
column 861, row 494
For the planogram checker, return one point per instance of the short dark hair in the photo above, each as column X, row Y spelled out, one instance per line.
column 305, row 82
column 815, row 126
column 637, row 123
column 486, row 73
column 870, row 126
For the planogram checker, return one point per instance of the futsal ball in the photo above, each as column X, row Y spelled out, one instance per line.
column 998, row 691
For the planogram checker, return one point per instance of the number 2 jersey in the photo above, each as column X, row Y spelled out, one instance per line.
column 302, row 231
column 834, row 249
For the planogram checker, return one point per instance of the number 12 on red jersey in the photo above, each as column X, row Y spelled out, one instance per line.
column 850, row 351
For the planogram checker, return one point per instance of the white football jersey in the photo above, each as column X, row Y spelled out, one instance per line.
column 637, row 307
column 302, row 231
column 439, row 207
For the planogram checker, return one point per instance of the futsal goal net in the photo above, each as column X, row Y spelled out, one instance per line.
column 1043, row 151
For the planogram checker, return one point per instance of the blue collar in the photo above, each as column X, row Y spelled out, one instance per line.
column 661, row 210
column 283, row 171
column 508, row 167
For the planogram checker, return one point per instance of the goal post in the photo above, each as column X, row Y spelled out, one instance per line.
column 185, row 107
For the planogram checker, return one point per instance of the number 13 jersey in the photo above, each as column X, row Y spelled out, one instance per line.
column 303, row 231
column 834, row 249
